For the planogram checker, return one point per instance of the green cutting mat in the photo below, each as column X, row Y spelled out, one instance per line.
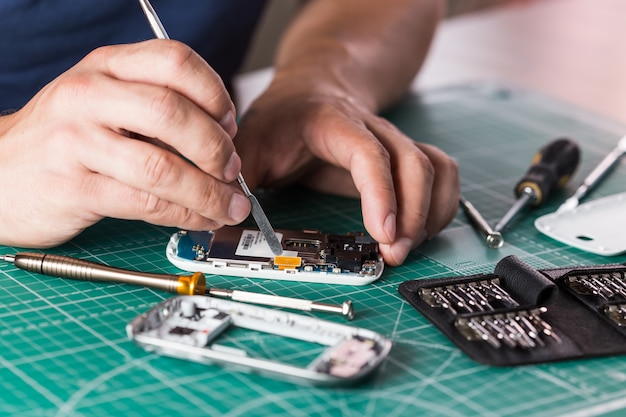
column 63, row 348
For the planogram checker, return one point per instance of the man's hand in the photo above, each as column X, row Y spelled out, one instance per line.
column 332, row 143
column 68, row 159
column 336, row 67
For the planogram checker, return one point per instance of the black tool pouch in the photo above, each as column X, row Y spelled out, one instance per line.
column 519, row 315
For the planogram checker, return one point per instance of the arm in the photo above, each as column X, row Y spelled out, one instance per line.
column 338, row 65
column 459, row 7
column 371, row 49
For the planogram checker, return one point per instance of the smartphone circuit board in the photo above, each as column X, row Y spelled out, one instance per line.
column 308, row 256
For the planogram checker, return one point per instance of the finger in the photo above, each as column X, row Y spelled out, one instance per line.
column 104, row 194
column 160, row 173
column 413, row 176
column 353, row 147
column 444, row 201
column 162, row 113
column 171, row 64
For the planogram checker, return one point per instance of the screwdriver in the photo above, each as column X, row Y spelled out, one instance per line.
column 551, row 168
column 257, row 211
column 83, row 270
column 195, row 284
column 494, row 239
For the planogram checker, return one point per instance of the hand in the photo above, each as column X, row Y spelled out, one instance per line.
column 67, row 159
column 332, row 143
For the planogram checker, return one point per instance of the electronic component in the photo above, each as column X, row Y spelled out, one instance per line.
column 308, row 256
column 189, row 327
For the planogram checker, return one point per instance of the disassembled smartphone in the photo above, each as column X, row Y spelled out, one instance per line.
column 189, row 327
column 308, row 256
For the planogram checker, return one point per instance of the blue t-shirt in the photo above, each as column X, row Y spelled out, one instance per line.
column 43, row 38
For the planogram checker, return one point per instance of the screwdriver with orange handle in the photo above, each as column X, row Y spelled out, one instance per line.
column 551, row 168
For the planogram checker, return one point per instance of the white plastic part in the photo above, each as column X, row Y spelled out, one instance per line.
column 598, row 226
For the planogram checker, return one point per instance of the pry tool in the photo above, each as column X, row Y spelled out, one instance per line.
column 595, row 176
column 551, row 168
column 257, row 211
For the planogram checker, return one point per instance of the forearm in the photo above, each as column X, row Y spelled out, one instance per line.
column 369, row 50
column 459, row 7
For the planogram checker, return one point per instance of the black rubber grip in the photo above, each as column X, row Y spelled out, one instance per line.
column 551, row 168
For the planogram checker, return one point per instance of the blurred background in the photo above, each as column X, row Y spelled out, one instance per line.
column 572, row 50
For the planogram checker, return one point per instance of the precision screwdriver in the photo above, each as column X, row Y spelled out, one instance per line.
column 194, row 284
column 494, row 239
column 257, row 211
column 551, row 168
column 83, row 270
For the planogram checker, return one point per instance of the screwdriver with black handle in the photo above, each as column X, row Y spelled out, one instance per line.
column 551, row 168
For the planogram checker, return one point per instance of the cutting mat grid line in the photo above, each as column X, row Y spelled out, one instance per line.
column 63, row 348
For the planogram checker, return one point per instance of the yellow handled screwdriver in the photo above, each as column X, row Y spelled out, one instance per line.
column 551, row 168
column 194, row 284
column 83, row 270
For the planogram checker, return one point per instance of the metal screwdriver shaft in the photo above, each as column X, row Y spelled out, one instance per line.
column 346, row 309
column 82, row 270
column 550, row 168
column 494, row 239
column 595, row 176
column 195, row 284
column 257, row 211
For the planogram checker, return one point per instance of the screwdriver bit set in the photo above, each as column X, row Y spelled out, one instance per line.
column 520, row 315
column 604, row 291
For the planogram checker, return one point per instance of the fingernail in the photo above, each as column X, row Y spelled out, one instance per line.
column 229, row 124
column 239, row 208
column 233, row 167
column 389, row 226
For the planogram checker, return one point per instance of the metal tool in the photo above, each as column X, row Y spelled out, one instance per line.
column 595, row 176
column 606, row 285
column 469, row 297
column 550, row 168
column 257, row 211
column 82, row 270
column 194, row 284
column 494, row 239
column 516, row 329
column 261, row 219
column 346, row 309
